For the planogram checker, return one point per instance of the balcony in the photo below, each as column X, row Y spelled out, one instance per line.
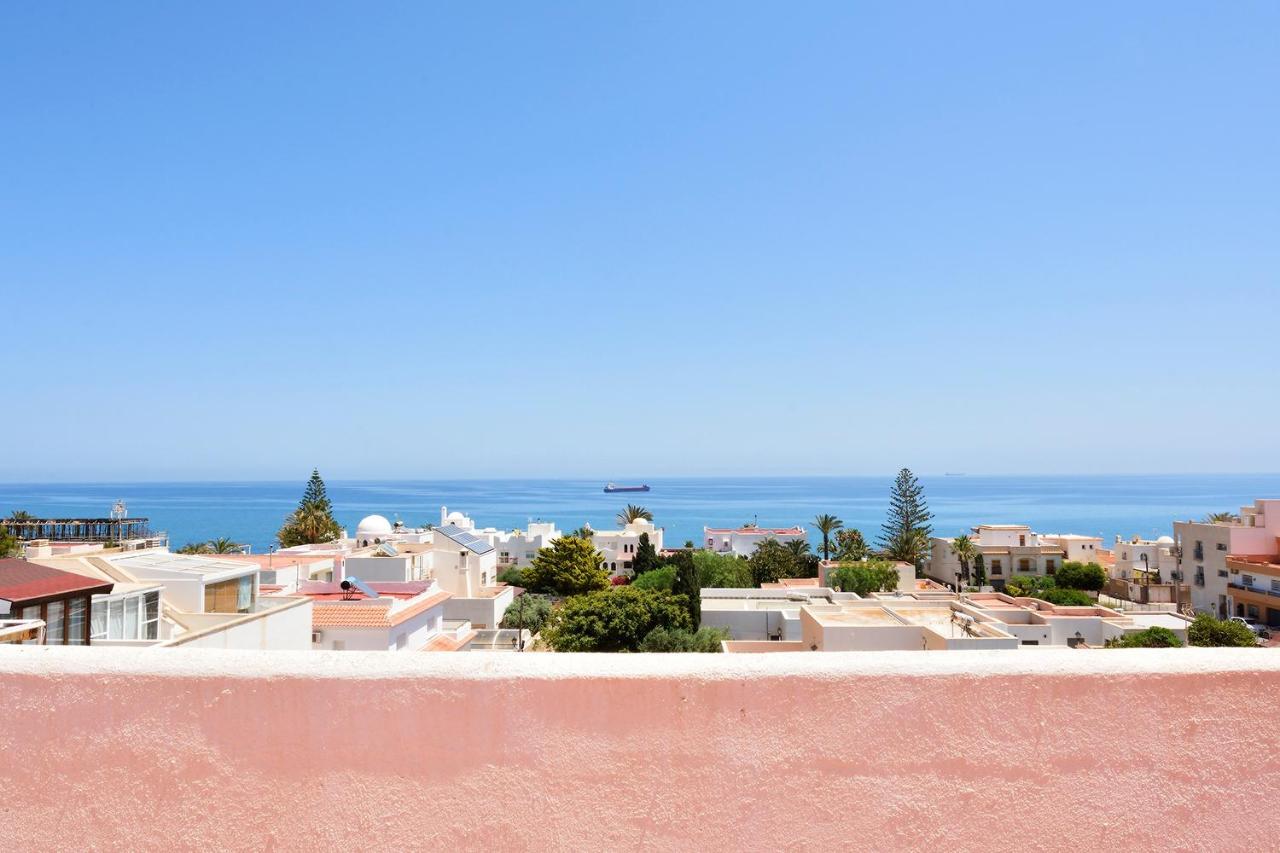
column 247, row 750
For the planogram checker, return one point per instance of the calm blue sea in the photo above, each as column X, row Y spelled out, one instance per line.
column 252, row 512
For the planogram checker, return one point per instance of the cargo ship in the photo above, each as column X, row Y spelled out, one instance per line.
column 610, row 488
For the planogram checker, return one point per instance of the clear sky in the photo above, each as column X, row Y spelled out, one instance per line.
column 615, row 240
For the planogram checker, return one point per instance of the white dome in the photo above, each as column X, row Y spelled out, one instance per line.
column 373, row 525
column 455, row 518
column 1165, row 540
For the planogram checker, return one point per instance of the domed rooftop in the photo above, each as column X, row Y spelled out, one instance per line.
column 455, row 517
column 1165, row 540
column 373, row 525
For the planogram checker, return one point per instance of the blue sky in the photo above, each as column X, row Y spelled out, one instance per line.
column 417, row 240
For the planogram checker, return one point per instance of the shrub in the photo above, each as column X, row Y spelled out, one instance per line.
column 679, row 640
column 1208, row 631
column 1154, row 637
column 1065, row 597
column 1030, row 585
column 528, row 610
column 1077, row 575
column 613, row 620
column 864, row 578
column 512, row 577
column 721, row 570
column 656, row 579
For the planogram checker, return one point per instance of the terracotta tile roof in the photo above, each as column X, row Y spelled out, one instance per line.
column 361, row 614
column 449, row 643
column 21, row 581
column 333, row 591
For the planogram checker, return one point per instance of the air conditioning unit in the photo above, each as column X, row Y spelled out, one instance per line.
column 317, row 636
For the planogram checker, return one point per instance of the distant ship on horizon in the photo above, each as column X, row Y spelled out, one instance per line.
column 609, row 488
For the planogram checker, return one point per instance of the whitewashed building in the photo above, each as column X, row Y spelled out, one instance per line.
column 744, row 540
column 618, row 547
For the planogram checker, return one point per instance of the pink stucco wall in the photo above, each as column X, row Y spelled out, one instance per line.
column 1028, row 750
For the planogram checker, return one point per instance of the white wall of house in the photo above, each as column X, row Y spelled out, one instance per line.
column 280, row 629
column 410, row 635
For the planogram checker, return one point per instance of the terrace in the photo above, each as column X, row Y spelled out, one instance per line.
column 332, row 750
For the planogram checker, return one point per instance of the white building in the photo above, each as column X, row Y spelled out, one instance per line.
column 396, row 617
column 618, row 547
column 1007, row 550
column 1135, row 558
column 762, row 614
column 743, row 541
column 1202, row 549
column 1075, row 548
column 515, row 548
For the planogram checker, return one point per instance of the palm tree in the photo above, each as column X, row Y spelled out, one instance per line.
column 194, row 548
column 964, row 549
column 634, row 513
column 224, row 546
column 1220, row 517
column 827, row 524
column 21, row 515
column 583, row 532
column 799, row 548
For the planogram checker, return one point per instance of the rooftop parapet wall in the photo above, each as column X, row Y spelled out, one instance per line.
column 1122, row 749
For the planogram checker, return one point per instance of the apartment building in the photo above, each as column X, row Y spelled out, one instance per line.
column 1203, row 548
column 1007, row 550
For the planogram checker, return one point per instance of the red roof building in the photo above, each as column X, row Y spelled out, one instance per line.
column 62, row 599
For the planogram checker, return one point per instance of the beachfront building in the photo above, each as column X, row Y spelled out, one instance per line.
column 31, row 593
column 1202, row 550
column 1007, row 549
column 515, row 548
column 383, row 617
column 618, row 547
column 743, row 541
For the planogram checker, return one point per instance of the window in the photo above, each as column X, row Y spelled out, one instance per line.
column 30, row 613
column 132, row 613
column 53, row 623
column 1049, row 566
column 1199, row 550
column 1222, row 573
column 1275, row 585
column 1247, row 580
column 98, row 620
column 1222, row 546
column 229, row 596
column 1024, row 565
column 1022, row 540
column 151, row 616
column 1251, row 611
column 996, row 568
column 76, row 621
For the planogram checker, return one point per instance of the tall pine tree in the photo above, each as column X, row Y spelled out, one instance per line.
column 314, row 495
column 686, row 584
column 313, row 520
column 905, row 533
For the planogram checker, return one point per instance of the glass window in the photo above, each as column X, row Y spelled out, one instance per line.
column 98, row 620
column 132, row 606
column 76, row 622
column 31, row 613
column 115, row 620
column 53, row 623
column 244, row 597
column 151, row 616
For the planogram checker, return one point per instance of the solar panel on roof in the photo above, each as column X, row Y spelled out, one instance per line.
column 389, row 549
column 467, row 540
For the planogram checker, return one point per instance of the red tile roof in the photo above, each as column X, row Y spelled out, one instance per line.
column 359, row 614
column 767, row 531
column 333, row 591
column 22, row 581
column 448, row 642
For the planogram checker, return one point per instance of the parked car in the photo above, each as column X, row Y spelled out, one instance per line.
column 1258, row 630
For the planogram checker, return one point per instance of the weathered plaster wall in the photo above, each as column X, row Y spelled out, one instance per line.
column 1028, row 750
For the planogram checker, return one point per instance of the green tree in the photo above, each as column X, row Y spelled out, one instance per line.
column 313, row 520
column 223, row 545
column 678, row 640
column 806, row 562
column 10, row 546
column 662, row 579
column 686, row 584
column 613, row 620
column 646, row 558
column 772, row 561
column 721, row 570
column 634, row 513
column 864, row 578
column 1028, row 585
column 583, row 532
column 905, row 533
column 964, row 549
column 568, row 566
column 194, row 548
column 1220, row 518
column 21, row 515
column 851, row 546
column 512, row 577
column 827, row 524
column 1077, row 575
column 528, row 611
column 1207, row 630
column 1154, row 637
column 979, row 570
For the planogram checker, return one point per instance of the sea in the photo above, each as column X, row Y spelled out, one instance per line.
column 251, row 512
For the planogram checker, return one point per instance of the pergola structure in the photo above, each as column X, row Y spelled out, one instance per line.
column 77, row 529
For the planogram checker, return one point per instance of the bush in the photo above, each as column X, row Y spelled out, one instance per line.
column 512, row 577
column 1208, row 631
column 614, row 620
column 656, row 579
column 1151, row 638
column 568, row 566
column 1065, row 597
column 528, row 610
column 679, row 640
column 1029, row 585
column 1077, row 575
column 864, row 578
column 772, row 561
column 721, row 570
